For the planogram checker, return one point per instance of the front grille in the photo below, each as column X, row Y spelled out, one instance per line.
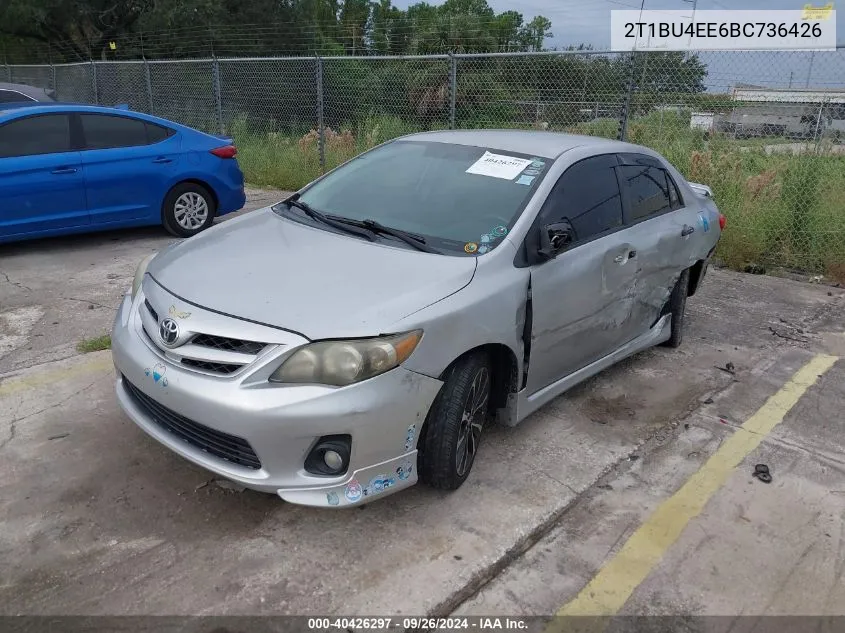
column 228, row 344
column 152, row 312
column 217, row 368
column 228, row 447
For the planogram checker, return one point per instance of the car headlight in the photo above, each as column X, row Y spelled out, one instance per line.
column 139, row 274
column 342, row 363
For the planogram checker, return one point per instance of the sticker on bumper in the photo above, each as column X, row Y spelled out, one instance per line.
column 353, row 491
column 410, row 437
column 403, row 471
column 157, row 372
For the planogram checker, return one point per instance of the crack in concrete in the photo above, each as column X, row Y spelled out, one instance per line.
column 484, row 576
column 89, row 302
column 16, row 419
column 15, row 283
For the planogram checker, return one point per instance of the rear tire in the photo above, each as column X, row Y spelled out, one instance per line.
column 677, row 308
column 188, row 209
column 455, row 422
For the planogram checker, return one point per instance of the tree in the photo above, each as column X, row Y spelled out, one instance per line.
column 506, row 30
column 354, row 15
column 532, row 34
column 85, row 27
column 200, row 28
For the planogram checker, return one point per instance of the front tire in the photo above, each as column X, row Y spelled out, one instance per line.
column 188, row 209
column 455, row 423
column 677, row 308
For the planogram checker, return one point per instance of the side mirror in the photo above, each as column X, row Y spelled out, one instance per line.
column 555, row 238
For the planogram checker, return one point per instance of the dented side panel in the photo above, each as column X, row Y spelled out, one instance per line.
column 581, row 307
column 663, row 253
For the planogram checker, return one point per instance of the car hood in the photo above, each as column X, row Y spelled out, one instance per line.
column 276, row 271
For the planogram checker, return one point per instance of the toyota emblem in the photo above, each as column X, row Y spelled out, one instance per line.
column 168, row 330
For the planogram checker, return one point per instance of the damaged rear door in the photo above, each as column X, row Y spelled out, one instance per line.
column 580, row 297
column 664, row 229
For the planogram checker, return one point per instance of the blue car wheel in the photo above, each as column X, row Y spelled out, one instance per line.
column 188, row 209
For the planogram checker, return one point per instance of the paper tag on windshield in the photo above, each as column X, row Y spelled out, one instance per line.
column 498, row 166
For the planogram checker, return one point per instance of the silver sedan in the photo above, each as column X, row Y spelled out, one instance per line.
column 342, row 344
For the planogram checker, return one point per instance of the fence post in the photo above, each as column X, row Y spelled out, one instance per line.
column 52, row 77
column 626, row 106
column 148, row 81
column 218, row 100
column 453, row 89
column 6, row 64
column 321, row 132
column 96, row 93
column 818, row 122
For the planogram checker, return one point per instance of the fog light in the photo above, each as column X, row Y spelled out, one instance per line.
column 329, row 456
column 333, row 460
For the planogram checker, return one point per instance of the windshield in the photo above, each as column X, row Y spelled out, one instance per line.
column 460, row 199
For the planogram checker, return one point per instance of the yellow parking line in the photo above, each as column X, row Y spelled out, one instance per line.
column 610, row 589
column 98, row 362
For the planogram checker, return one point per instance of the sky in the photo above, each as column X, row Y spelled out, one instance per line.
column 588, row 22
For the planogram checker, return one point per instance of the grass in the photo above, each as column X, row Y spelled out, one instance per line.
column 782, row 210
column 95, row 344
column 289, row 160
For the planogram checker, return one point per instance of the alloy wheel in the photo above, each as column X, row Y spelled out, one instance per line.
column 472, row 421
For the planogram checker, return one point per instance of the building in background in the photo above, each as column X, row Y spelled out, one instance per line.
column 793, row 113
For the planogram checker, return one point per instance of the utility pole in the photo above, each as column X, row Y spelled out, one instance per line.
column 692, row 19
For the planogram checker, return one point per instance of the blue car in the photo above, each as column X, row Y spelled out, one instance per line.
column 75, row 168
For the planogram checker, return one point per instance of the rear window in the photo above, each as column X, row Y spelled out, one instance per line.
column 13, row 96
column 648, row 190
column 104, row 131
column 460, row 198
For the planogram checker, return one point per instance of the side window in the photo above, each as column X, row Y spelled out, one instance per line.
column 587, row 195
column 13, row 96
column 43, row 134
column 103, row 131
column 648, row 190
column 674, row 196
column 157, row 133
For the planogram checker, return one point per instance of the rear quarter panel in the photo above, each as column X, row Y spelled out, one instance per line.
column 224, row 176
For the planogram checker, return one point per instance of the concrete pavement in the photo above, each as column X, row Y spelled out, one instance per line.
column 96, row 518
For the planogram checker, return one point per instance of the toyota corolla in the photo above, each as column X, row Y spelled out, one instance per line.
column 360, row 335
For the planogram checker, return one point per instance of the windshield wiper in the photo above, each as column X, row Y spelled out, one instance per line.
column 337, row 223
column 416, row 241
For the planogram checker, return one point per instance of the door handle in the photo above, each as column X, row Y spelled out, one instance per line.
column 621, row 258
column 162, row 159
column 687, row 230
column 64, row 170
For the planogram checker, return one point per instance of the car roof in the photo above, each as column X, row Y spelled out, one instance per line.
column 538, row 143
column 44, row 108
column 39, row 108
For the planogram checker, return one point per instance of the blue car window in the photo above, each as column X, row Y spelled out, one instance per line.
column 40, row 134
column 157, row 133
column 103, row 131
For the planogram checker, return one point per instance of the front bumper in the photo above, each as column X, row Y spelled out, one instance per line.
column 281, row 423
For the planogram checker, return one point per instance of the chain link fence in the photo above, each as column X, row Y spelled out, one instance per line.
column 766, row 130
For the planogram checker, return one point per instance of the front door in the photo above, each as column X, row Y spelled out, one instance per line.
column 580, row 299
column 41, row 186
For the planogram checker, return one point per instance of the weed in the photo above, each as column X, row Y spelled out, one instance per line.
column 95, row 344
